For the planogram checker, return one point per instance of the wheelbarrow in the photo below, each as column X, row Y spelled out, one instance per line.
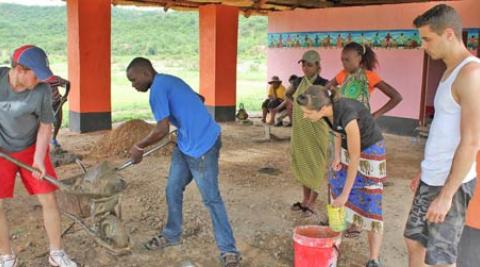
column 93, row 198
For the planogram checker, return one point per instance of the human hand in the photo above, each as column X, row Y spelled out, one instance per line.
column 438, row 209
column 376, row 115
column 39, row 166
column 336, row 165
column 340, row 200
column 136, row 154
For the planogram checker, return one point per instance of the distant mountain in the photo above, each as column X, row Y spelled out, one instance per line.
column 154, row 33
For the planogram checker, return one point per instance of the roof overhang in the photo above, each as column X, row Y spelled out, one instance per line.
column 260, row 7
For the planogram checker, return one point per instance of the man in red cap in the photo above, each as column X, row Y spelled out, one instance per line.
column 26, row 118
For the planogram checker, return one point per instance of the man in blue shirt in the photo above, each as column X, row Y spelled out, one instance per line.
column 194, row 158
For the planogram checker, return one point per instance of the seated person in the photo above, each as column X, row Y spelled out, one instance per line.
column 286, row 106
column 57, row 103
column 276, row 95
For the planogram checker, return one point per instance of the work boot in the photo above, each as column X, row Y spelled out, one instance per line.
column 59, row 258
column 8, row 260
column 230, row 260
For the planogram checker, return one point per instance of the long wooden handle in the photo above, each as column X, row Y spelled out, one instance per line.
column 162, row 143
column 47, row 177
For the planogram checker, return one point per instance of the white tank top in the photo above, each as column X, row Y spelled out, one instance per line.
column 444, row 134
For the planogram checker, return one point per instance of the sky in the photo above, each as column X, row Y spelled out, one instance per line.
column 35, row 2
column 62, row 3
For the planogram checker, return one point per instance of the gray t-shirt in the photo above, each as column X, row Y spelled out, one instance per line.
column 21, row 113
column 344, row 111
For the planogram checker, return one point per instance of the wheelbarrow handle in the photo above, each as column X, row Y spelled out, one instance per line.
column 162, row 143
column 47, row 177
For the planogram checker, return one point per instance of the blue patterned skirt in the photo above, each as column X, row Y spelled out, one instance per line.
column 364, row 205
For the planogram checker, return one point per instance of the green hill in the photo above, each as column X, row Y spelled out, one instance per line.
column 154, row 33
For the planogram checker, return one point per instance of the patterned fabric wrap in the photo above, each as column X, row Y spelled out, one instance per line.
column 355, row 87
column 309, row 145
column 364, row 205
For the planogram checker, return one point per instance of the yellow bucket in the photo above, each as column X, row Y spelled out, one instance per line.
column 336, row 218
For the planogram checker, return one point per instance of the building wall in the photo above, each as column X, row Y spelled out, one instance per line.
column 402, row 68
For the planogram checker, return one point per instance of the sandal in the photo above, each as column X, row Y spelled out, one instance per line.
column 373, row 263
column 324, row 222
column 159, row 242
column 307, row 212
column 230, row 260
column 297, row 206
column 352, row 232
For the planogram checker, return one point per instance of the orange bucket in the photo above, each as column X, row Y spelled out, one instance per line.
column 315, row 246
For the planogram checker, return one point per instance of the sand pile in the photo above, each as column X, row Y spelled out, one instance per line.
column 121, row 139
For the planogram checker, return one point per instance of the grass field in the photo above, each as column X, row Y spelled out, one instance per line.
column 128, row 103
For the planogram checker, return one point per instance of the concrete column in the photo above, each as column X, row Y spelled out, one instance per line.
column 89, row 64
column 218, row 59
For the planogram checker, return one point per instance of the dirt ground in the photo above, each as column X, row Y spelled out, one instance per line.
column 258, row 206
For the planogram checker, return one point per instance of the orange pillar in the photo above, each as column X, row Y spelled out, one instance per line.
column 89, row 64
column 218, row 59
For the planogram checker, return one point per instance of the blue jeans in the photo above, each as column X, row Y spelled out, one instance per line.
column 204, row 170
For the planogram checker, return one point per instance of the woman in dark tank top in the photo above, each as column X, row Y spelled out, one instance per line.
column 359, row 163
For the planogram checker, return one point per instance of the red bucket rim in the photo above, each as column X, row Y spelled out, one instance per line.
column 301, row 237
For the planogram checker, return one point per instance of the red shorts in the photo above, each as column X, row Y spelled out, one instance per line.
column 34, row 186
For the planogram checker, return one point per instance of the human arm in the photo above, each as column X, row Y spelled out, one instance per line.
column 41, row 147
column 466, row 91
column 293, row 88
column 353, row 142
column 394, row 98
column 290, row 91
column 281, row 106
column 336, row 161
column 271, row 93
column 67, row 91
column 161, row 130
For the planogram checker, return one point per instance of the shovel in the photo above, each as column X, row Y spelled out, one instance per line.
column 87, row 183
column 99, row 187
column 162, row 143
column 47, row 177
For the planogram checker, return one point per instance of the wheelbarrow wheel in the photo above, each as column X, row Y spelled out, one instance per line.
column 113, row 231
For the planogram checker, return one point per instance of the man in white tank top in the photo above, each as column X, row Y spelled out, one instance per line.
column 447, row 179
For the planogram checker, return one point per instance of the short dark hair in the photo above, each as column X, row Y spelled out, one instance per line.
column 439, row 18
column 140, row 63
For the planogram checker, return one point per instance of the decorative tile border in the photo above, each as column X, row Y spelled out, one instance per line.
column 402, row 39
column 473, row 38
